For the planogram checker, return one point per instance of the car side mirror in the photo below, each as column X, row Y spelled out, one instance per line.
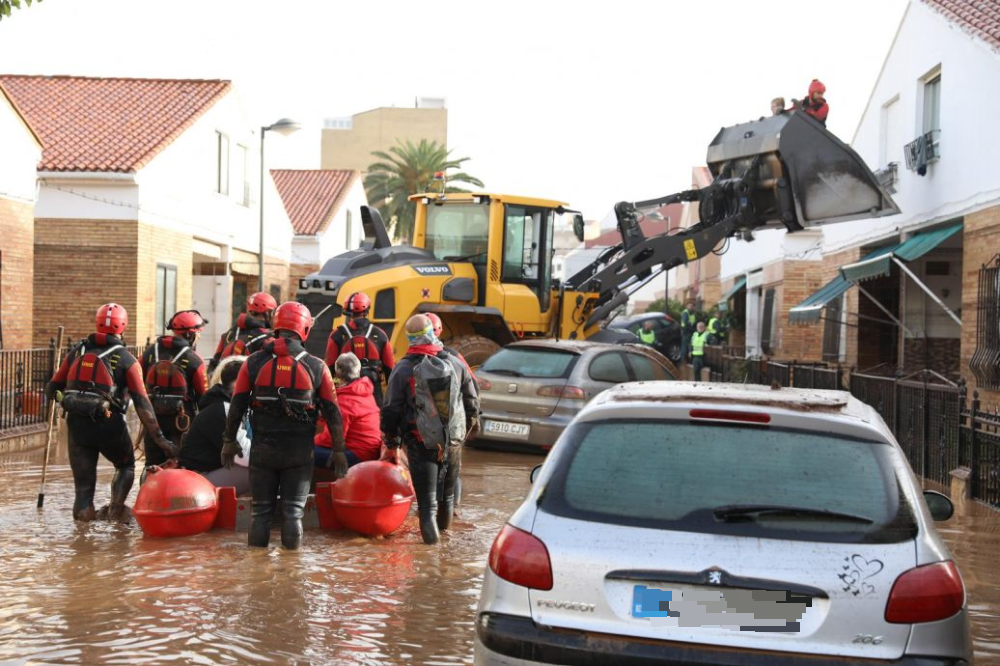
column 940, row 506
column 535, row 471
column 578, row 227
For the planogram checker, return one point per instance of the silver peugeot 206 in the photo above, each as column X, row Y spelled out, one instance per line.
column 678, row 523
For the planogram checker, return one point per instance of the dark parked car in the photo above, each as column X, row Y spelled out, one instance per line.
column 668, row 331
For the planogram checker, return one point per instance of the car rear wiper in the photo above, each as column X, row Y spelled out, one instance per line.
column 732, row 512
column 502, row 371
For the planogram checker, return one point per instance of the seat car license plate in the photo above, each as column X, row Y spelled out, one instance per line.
column 505, row 429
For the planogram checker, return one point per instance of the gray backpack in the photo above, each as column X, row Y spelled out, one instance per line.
column 438, row 397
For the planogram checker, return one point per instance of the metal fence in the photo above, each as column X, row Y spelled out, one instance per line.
column 936, row 425
column 23, row 376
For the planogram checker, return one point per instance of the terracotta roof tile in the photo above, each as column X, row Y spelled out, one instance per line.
column 980, row 18
column 97, row 124
column 312, row 196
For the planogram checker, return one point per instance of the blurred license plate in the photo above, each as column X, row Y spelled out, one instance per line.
column 506, row 429
column 747, row 610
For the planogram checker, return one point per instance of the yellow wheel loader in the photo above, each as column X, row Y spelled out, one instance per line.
column 483, row 262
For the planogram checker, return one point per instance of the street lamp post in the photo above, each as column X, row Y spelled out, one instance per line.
column 284, row 127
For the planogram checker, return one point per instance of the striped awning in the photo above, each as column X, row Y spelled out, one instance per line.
column 811, row 309
column 724, row 301
column 879, row 263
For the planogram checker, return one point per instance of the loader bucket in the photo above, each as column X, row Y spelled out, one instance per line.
column 828, row 182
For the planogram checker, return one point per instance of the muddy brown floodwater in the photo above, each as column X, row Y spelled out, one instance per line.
column 97, row 593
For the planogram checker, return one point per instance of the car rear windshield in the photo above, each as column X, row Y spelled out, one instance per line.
column 702, row 478
column 531, row 362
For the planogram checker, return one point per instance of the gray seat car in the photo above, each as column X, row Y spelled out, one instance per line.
column 724, row 524
column 530, row 390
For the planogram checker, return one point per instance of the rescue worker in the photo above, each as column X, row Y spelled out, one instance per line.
column 363, row 339
column 250, row 331
column 716, row 330
column 698, row 341
column 815, row 104
column 438, row 330
column 175, row 381
column 434, row 469
column 647, row 335
column 95, row 382
column 687, row 329
column 285, row 388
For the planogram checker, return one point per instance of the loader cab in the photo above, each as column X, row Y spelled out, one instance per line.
column 510, row 241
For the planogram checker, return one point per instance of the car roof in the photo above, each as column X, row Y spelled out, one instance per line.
column 803, row 401
column 640, row 317
column 576, row 346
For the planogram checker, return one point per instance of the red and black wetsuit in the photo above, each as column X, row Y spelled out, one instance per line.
column 187, row 360
column 371, row 346
column 281, row 456
column 105, row 433
column 254, row 332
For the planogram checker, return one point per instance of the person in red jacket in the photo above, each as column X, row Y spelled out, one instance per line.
column 365, row 340
column 815, row 104
column 94, row 383
column 360, row 414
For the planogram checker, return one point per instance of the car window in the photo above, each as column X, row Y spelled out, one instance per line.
column 646, row 369
column 674, row 474
column 530, row 362
column 609, row 368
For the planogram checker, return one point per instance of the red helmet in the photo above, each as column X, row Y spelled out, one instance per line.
column 111, row 319
column 261, row 303
column 186, row 321
column 436, row 321
column 295, row 317
column 358, row 304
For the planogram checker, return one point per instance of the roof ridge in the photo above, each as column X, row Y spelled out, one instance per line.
column 110, row 78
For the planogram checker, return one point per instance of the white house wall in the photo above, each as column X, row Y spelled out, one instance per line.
column 966, row 177
column 334, row 240
column 21, row 154
column 178, row 187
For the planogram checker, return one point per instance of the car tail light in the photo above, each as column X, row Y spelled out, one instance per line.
column 484, row 384
column 926, row 594
column 565, row 392
column 521, row 558
column 727, row 415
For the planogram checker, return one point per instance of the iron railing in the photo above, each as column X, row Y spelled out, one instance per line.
column 985, row 361
column 923, row 150
column 979, row 447
column 23, row 376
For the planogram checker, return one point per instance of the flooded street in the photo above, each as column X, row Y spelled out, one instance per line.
column 85, row 594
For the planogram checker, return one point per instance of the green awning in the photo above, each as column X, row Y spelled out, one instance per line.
column 724, row 301
column 810, row 309
column 879, row 262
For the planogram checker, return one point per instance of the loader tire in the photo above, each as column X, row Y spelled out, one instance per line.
column 475, row 348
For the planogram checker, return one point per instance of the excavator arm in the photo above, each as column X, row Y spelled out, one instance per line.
column 783, row 171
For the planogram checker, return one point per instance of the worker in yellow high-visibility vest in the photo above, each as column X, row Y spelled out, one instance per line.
column 698, row 341
column 647, row 335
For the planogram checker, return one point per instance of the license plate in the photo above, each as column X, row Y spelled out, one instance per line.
column 505, row 429
column 746, row 610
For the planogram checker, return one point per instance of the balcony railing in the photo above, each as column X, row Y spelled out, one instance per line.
column 922, row 151
column 888, row 177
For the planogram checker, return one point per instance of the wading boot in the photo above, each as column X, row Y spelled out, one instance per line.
column 428, row 524
column 121, row 485
column 260, row 526
column 445, row 513
column 85, row 515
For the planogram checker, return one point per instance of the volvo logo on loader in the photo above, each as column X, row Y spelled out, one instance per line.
column 435, row 269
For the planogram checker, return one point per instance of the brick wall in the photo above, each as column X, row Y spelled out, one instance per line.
column 295, row 273
column 80, row 265
column 938, row 354
column 800, row 280
column 17, row 231
column 981, row 243
column 159, row 246
column 829, row 269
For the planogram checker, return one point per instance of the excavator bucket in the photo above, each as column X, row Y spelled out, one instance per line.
column 807, row 178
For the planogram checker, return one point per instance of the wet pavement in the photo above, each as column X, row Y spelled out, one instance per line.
column 97, row 593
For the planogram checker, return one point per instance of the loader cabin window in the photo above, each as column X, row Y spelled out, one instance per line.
column 527, row 250
column 458, row 232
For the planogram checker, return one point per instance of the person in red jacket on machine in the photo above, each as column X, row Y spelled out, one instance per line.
column 815, row 104
column 250, row 331
column 94, row 383
column 363, row 339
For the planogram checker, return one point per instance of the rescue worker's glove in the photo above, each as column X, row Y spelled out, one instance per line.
column 168, row 447
column 338, row 463
column 230, row 449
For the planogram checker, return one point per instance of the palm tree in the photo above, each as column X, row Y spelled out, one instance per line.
column 409, row 169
